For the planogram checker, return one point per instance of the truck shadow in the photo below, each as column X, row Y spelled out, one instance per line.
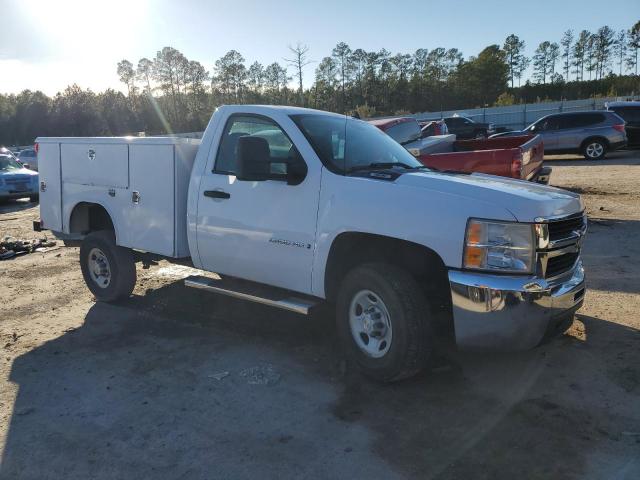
column 611, row 255
column 513, row 415
column 158, row 387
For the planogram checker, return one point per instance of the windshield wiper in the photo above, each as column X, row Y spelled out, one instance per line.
column 378, row 165
column 444, row 170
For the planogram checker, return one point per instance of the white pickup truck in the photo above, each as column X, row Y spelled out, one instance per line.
column 292, row 207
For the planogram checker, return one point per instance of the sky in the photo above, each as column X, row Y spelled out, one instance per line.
column 49, row 44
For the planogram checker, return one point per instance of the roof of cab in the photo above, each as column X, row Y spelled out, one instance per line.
column 386, row 123
column 287, row 109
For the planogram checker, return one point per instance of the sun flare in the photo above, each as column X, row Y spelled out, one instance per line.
column 86, row 27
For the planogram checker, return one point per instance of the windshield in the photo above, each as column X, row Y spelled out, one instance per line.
column 8, row 163
column 405, row 132
column 345, row 144
column 533, row 126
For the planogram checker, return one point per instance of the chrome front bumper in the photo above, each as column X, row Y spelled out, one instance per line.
column 512, row 312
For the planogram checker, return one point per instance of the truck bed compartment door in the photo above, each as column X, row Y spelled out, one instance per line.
column 100, row 164
column 50, row 191
column 149, row 215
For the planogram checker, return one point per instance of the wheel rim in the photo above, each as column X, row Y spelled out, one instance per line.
column 595, row 149
column 99, row 269
column 370, row 324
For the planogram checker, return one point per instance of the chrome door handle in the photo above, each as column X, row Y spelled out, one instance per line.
column 216, row 194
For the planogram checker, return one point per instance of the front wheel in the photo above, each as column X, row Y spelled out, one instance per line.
column 594, row 150
column 383, row 322
column 108, row 269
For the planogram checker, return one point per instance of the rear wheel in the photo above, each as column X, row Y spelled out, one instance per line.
column 383, row 322
column 594, row 149
column 108, row 270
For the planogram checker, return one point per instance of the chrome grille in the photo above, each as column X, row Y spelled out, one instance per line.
column 560, row 264
column 559, row 244
column 561, row 229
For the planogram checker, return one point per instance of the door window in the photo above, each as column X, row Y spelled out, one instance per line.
column 580, row 120
column 281, row 149
column 547, row 124
column 628, row 114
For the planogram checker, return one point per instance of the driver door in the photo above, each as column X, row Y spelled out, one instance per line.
column 548, row 128
column 262, row 231
column 467, row 128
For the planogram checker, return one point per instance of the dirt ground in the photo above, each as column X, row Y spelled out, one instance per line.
column 178, row 383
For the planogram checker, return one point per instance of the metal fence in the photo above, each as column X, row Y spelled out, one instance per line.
column 517, row 117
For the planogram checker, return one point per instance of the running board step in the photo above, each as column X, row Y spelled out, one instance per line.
column 253, row 292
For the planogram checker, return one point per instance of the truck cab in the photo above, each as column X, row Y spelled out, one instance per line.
column 294, row 207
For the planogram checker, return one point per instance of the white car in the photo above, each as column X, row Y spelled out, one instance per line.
column 29, row 158
column 293, row 207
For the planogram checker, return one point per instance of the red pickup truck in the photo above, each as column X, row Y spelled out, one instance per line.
column 515, row 157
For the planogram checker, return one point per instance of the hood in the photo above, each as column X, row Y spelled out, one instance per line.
column 526, row 201
column 22, row 172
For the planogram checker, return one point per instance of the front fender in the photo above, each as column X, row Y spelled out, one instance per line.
column 434, row 219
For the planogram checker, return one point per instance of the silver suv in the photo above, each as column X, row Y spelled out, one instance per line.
column 592, row 133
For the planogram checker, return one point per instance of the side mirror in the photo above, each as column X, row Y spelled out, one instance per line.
column 254, row 159
column 296, row 169
column 255, row 163
column 26, row 165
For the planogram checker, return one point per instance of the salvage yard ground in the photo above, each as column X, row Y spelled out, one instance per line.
column 178, row 383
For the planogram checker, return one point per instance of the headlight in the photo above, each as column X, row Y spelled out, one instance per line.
column 500, row 246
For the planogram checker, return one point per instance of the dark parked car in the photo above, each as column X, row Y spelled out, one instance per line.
column 630, row 113
column 592, row 134
column 465, row 128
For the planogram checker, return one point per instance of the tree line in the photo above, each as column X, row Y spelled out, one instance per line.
column 170, row 93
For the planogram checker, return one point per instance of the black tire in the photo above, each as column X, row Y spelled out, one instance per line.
column 121, row 265
column 412, row 341
column 34, row 198
column 594, row 149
